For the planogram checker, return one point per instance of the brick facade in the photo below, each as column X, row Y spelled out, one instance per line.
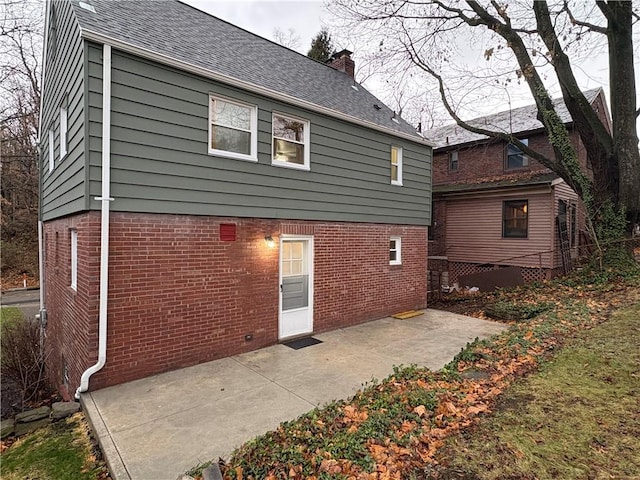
column 179, row 296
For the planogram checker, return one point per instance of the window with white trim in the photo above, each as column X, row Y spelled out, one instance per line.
column 63, row 132
column 396, row 165
column 74, row 259
column 233, row 128
column 51, row 152
column 290, row 141
column 395, row 251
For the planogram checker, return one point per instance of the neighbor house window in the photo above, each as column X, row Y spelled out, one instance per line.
column 233, row 129
column 453, row 161
column 396, row 165
column 515, row 218
column 74, row 259
column 51, row 153
column 63, row 132
column 395, row 251
column 515, row 157
column 290, row 141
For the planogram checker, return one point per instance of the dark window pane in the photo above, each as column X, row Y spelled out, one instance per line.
column 230, row 140
column 289, row 152
column 515, row 219
column 515, row 157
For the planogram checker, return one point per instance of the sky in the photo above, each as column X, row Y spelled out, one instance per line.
column 307, row 17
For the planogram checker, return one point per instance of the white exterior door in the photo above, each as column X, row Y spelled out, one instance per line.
column 296, row 286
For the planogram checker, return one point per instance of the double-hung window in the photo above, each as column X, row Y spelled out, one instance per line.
column 63, row 132
column 51, row 152
column 233, row 129
column 515, row 157
column 515, row 218
column 453, row 161
column 290, row 142
column 395, row 251
column 396, row 165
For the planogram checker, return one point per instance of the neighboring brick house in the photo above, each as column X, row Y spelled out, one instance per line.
column 493, row 206
column 205, row 192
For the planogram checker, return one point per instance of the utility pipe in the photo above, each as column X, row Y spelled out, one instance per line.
column 104, row 223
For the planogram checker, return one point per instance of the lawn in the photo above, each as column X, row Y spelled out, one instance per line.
column 9, row 315
column 577, row 418
column 400, row 427
column 59, row 451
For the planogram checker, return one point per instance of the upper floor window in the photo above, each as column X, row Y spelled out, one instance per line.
column 63, row 132
column 396, row 165
column 395, row 251
column 515, row 157
column 515, row 218
column 51, row 152
column 233, row 129
column 453, row 161
column 290, row 141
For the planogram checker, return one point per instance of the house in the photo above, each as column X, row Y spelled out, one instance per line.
column 493, row 207
column 205, row 192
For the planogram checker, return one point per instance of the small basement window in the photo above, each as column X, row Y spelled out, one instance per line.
column 515, row 218
column 395, row 251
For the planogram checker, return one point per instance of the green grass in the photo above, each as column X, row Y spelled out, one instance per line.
column 60, row 451
column 10, row 315
column 577, row 418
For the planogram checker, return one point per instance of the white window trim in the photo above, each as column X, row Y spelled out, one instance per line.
column 399, row 164
column 63, row 132
column 398, row 260
column 307, row 142
column 253, row 156
column 74, row 259
column 52, row 164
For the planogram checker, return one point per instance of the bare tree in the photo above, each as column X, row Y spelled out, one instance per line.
column 289, row 39
column 532, row 44
column 21, row 28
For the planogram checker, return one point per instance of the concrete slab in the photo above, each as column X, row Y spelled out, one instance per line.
column 159, row 427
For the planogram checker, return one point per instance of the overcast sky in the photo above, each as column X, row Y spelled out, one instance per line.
column 307, row 17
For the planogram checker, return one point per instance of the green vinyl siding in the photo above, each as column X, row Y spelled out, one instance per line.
column 160, row 164
column 63, row 190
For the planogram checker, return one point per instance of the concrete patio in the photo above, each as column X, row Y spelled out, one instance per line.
column 159, row 427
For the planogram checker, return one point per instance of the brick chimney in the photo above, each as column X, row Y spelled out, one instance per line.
column 342, row 61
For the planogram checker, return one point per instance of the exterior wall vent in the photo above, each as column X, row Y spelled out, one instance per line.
column 228, row 232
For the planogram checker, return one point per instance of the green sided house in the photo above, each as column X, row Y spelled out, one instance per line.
column 206, row 192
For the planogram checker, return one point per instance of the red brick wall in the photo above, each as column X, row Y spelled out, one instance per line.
column 178, row 295
column 71, row 334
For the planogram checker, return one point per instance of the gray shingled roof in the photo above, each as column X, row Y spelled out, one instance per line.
column 518, row 120
column 184, row 33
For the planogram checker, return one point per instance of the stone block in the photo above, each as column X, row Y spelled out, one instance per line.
column 33, row 415
column 212, row 472
column 24, row 428
column 7, row 427
column 64, row 409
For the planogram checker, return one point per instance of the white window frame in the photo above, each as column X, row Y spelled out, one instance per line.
column 306, row 143
column 253, row 155
column 63, row 132
column 398, row 181
column 52, row 161
column 74, row 259
column 398, row 250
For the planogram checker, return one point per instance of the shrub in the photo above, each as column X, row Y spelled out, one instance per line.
column 23, row 359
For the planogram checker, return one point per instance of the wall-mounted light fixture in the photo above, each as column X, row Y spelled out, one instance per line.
column 269, row 241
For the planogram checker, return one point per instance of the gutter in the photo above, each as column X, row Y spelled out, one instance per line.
column 251, row 87
column 104, row 223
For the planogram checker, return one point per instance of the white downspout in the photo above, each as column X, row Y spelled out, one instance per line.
column 104, row 224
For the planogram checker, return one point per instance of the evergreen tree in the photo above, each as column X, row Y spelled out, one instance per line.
column 321, row 47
